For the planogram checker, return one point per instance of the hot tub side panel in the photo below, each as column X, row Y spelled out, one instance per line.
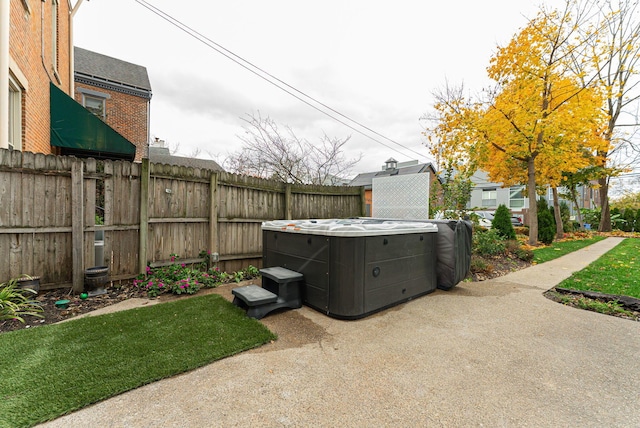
column 346, row 277
column 307, row 254
column 398, row 268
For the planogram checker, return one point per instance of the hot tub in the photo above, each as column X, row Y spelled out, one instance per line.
column 354, row 267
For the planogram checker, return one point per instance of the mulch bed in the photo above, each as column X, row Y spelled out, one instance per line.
column 77, row 306
column 498, row 266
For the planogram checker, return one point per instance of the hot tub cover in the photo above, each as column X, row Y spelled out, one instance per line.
column 349, row 227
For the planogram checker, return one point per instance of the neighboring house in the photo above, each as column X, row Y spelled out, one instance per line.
column 158, row 153
column 391, row 168
column 35, row 55
column 116, row 91
column 487, row 196
column 36, row 84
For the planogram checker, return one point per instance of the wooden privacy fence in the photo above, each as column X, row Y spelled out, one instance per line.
column 48, row 207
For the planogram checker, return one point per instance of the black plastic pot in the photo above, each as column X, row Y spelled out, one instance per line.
column 96, row 277
column 32, row 283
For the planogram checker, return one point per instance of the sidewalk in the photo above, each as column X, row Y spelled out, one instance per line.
column 495, row 353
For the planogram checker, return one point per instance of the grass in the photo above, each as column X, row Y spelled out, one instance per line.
column 616, row 272
column 559, row 249
column 53, row 370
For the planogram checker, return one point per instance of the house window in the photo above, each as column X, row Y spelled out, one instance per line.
column 54, row 34
column 516, row 197
column 489, row 197
column 15, row 115
column 94, row 104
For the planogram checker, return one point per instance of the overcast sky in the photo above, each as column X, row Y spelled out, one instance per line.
column 376, row 62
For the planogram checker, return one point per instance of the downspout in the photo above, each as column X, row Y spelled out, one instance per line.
column 71, row 54
column 146, row 155
column 5, row 23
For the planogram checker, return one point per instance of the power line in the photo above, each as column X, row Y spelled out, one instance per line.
column 252, row 68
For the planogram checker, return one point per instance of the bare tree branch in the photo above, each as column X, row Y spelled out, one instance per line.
column 270, row 152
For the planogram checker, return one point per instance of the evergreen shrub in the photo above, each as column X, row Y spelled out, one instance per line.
column 502, row 223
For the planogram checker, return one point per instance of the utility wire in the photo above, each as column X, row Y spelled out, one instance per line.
column 242, row 62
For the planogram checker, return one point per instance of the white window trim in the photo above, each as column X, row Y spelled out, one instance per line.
column 15, row 114
column 514, row 189
column 93, row 93
column 494, row 202
column 96, row 97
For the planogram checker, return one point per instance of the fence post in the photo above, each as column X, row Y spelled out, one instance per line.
column 213, row 216
column 363, row 202
column 144, row 216
column 287, row 201
column 77, row 228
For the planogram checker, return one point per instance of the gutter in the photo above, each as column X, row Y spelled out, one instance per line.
column 5, row 23
column 72, row 13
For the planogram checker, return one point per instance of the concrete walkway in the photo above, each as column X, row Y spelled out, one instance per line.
column 495, row 353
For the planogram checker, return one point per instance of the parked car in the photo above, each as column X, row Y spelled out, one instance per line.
column 516, row 221
column 485, row 218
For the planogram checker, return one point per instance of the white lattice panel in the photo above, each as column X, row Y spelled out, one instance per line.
column 401, row 197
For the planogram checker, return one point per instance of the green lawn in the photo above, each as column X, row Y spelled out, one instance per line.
column 559, row 249
column 52, row 370
column 616, row 272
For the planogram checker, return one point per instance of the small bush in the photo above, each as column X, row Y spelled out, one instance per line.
column 591, row 217
column 546, row 225
column 565, row 215
column 502, row 223
column 522, row 230
column 629, row 217
column 488, row 243
column 524, row 254
column 480, row 265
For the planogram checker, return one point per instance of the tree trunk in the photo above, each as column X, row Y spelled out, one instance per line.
column 605, row 215
column 556, row 214
column 533, row 206
column 574, row 199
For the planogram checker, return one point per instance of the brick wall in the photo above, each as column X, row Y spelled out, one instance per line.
column 127, row 114
column 31, row 52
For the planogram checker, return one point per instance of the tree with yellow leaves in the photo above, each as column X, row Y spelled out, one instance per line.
column 533, row 124
column 612, row 61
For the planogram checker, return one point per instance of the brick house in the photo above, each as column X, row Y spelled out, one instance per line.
column 36, row 63
column 34, row 54
column 116, row 91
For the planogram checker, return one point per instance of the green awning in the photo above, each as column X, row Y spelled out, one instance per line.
column 79, row 132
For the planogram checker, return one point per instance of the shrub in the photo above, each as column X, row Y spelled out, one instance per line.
column 565, row 214
column 488, row 243
column 502, row 223
column 15, row 302
column 480, row 265
column 524, row 254
column 546, row 225
column 591, row 217
column 629, row 218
